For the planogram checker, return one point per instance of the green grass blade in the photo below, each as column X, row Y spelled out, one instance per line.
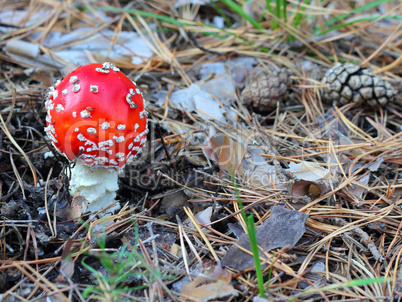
column 269, row 8
column 357, row 9
column 373, row 18
column 239, row 202
column 278, row 8
column 284, row 9
column 237, row 9
column 269, row 275
column 254, row 247
column 297, row 19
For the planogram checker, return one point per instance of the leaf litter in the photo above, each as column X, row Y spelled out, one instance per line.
column 323, row 183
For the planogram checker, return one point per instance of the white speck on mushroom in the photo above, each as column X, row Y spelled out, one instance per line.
column 120, row 154
column 105, row 125
column 81, row 137
column 59, row 107
column 143, row 140
column 64, row 92
column 113, row 162
column 109, row 142
column 106, row 66
column 137, row 91
column 136, row 126
column 121, row 127
column 118, row 139
column 55, row 94
column 136, row 148
column 76, row 129
column 143, row 114
column 94, row 88
column 81, row 148
column 134, row 83
column 85, row 113
column 51, row 92
column 76, row 88
column 101, row 160
column 130, row 145
column 137, row 139
column 74, row 114
column 129, row 100
column 101, row 69
column 49, row 105
column 73, row 79
column 48, row 119
column 49, row 129
column 91, row 130
column 57, row 83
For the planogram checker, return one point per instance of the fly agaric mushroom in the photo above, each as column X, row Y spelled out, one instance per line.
column 96, row 116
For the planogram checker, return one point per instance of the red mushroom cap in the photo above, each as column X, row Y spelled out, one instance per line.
column 96, row 113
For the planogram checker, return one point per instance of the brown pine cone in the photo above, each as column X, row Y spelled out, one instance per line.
column 353, row 83
column 264, row 92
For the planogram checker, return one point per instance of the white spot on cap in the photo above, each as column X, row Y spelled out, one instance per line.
column 73, row 79
column 130, row 145
column 118, row 139
column 76, row 129
column 137, row 91
column 91, row 130
column 74, row 114
column 106, row 143
column 101, row 160
column 105, row 125
column 81, row 137
column 49, row 105
column 76, row 88
column 121, row 127
column 59, row 108
column 113, row 162
column 136, row 126
column 120, row 154
column 106, row 66
column 129, row 100
column 85, row 113
column 94, row 88
column 57, row 83
column 137, row 139
column 143, row 114
column 64, row 92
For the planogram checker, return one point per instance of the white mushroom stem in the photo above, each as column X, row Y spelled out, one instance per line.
column 97, row 185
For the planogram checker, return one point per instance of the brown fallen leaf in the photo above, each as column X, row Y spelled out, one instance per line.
column 212, row 286
column 284, row 228
column 67, row 263
column 309, row 179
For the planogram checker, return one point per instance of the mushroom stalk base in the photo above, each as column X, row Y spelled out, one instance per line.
column 97, row 185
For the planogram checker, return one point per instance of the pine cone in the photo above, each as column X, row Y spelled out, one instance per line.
column 266, row 90
column 352, row 83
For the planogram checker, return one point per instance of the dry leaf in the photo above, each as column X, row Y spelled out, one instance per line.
column 218, row 286
column 230, row 154
column 284, row 228
column 67, row 263
column 309, row 179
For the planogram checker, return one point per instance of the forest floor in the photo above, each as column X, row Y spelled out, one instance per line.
column 247, row 150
